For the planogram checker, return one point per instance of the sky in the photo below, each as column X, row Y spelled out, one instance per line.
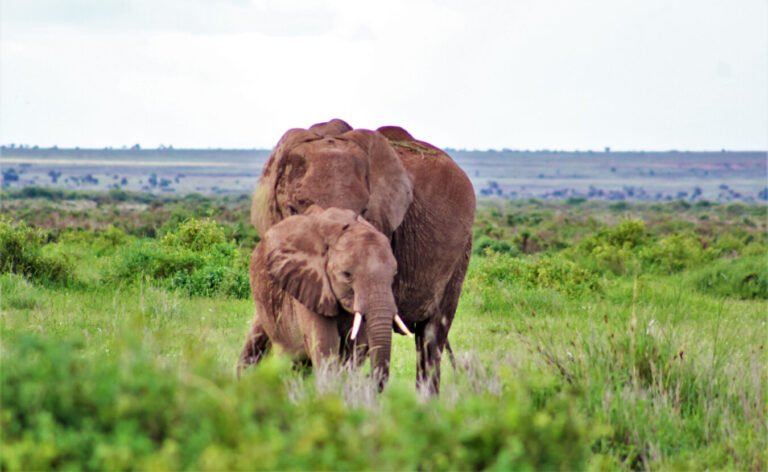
column 525, row 74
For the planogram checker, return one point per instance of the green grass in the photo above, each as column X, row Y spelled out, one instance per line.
column 601, row 345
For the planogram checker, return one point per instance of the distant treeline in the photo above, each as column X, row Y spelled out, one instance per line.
column 12, row 150
column 134, row 151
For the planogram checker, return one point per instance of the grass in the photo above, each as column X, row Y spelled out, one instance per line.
column 589, row 350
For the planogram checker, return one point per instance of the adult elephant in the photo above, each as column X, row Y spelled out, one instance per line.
column 409, row 190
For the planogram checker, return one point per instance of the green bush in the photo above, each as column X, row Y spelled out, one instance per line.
column 627, row 235
column 544, row 271
column 728, row 244
column 126, row 411
column 197, row 235
column 485, row 244
column 612, row 249
column 21, row 253
column 745, row 278
column 675, row 253
column 17, row 293
column 194, row 258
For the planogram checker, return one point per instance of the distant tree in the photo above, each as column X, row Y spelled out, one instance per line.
column 135, row 147
column 10, row 175
column 696, row 192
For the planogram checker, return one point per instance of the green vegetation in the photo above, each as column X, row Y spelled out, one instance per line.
column 589, row 336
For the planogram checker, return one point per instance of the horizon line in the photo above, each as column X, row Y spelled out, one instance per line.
column 605, row 150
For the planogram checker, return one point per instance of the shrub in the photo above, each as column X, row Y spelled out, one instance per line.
column 675, row 253
column 745, row 278
column 612, row 249
column 197, row 235
column 544, row 271
column 156, row 261
column 210, row 280
column 484, row 244
column 194, row 258
column 21, row 253
column 628, row 234
column 112, row 236
column 727, row 244
column 18, row 293
column 62, row 409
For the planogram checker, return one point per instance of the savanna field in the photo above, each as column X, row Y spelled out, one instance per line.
column 589, row 336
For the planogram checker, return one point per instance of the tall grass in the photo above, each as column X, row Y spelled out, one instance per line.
column 587, row 337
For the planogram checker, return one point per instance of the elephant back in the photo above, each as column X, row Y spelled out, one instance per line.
column 437, row 179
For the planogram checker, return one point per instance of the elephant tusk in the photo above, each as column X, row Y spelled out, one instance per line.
column 401, row 325
column 356, row 325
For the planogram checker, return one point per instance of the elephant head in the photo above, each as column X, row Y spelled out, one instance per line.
column 332, row 165
column 336, row 263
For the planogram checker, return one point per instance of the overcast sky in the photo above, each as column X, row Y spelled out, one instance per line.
column 526, row 74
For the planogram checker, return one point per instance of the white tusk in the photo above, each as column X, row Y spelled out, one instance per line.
column 356, row 325
column 402, row 326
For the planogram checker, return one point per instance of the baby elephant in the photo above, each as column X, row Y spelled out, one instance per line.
column 322, row 283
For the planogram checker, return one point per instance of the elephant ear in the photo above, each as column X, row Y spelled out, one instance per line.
column 264, row 211
column 296, row 251
column 391, row 188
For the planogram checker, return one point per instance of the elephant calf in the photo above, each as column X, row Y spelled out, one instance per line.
column 322, row 283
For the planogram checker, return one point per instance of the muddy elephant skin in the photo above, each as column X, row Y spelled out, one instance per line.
column 411, row 191
column 309, row 275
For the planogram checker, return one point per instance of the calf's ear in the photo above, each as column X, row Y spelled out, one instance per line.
column 297, row 249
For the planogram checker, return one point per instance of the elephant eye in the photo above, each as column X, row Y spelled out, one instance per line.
column 347, row 275
column 292, row 210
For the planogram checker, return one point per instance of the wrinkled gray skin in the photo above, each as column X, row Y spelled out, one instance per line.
column 309, row 275
column 411, row 191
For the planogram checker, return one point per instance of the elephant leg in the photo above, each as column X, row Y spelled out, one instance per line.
column 256, row 346
column 432, row 337
column 321, row 334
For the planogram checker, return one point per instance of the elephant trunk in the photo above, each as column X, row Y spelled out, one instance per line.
column 380, row 344
column 379, row 311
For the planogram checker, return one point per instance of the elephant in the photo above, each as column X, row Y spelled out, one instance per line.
column 409, row 190
column 309, row 274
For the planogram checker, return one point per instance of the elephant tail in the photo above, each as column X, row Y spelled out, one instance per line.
column 450, row 354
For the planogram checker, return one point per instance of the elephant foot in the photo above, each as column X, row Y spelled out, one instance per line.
column 429, row 347
column 256, row 346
